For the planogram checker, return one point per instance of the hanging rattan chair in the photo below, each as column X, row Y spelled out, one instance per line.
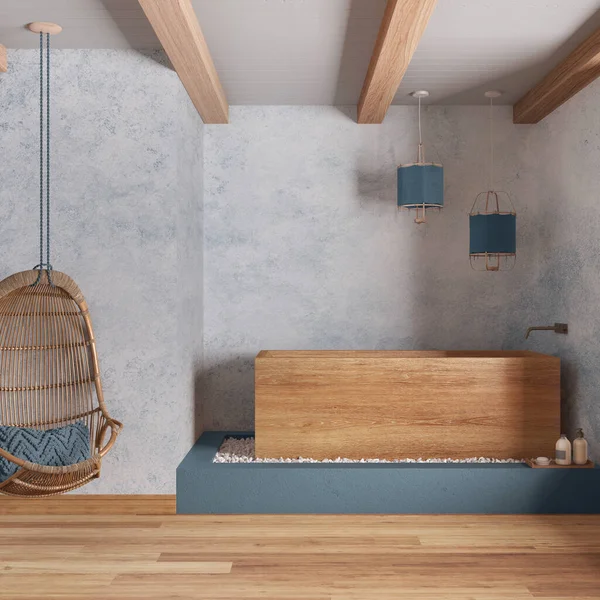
column 49, row 376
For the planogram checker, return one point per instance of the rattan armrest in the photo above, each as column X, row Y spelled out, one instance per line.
column 115, row 429
column 34, row 467
column 13, row 459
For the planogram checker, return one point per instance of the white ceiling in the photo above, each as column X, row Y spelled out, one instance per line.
column 317, row 51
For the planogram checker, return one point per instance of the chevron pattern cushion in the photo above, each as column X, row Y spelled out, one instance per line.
column 58, row 447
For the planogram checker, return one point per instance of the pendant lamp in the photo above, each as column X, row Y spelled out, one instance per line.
column 492, row 220
column 420, row 184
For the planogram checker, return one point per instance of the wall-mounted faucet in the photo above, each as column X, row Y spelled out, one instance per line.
column 557, row 328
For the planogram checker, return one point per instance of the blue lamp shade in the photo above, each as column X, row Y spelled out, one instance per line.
column 420, row 184
column 493, row 234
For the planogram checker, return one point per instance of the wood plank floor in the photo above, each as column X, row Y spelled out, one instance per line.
column 299, row 557
column 92, row 504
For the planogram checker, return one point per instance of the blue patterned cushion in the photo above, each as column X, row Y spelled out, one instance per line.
column 58, row 447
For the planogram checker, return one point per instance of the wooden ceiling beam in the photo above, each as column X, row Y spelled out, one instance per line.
column 402, row 26
column 3, row 59
column 178, row 30
column 574, row 73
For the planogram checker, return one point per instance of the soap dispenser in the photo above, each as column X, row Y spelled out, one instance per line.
column 563, row 451
column 580, row 449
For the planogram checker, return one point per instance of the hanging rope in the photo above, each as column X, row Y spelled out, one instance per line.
column 48, row 264
column 44, row 265
column 41, row 158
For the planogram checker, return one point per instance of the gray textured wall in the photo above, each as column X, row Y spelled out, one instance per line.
column 564, row 232
column 304, row 247
column 127, row 196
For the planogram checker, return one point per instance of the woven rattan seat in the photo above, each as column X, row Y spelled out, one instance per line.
column 49, row 377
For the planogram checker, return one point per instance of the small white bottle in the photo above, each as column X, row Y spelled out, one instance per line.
column 580, row 449
column 563, row 451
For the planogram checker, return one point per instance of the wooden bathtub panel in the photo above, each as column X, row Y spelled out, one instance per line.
column 406, row 404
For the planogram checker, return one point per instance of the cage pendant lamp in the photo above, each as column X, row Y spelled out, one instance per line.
column 492, row 220
column 420, row 184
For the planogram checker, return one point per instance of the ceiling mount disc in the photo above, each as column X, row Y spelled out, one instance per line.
column 493, row 94
column 44, row 27
column 420, row 94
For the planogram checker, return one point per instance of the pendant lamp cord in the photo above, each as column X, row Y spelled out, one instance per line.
column 420, row 161
column 44, row 265
column 421, row 153
column 491, row 144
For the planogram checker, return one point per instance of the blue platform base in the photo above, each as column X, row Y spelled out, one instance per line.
column 204, row 487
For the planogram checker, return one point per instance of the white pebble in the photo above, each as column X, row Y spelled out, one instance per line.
column 241, row 450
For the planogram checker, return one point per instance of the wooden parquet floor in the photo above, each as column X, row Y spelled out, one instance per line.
column 130, row 556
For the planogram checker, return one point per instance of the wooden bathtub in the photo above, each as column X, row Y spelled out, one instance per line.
column 406, row 404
